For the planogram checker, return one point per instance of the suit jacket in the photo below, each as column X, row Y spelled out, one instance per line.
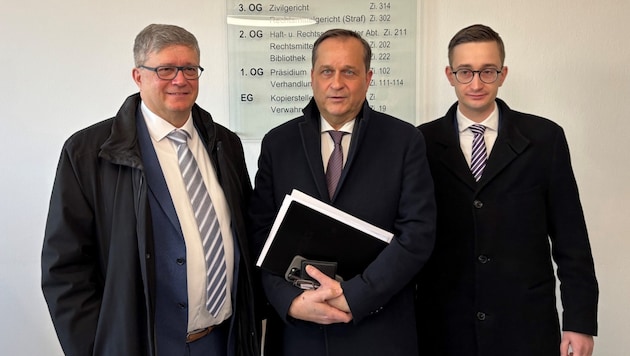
column 171, row 291
column 385, row 181
column 489, row 287
column 101, row 240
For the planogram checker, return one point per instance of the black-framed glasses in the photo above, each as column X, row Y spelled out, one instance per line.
column 170, row 72
column 488, row 75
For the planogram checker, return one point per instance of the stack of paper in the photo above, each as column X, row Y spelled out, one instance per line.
column 315, row 230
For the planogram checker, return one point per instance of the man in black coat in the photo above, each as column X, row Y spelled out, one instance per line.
column 385, row 181
column 123, row 267
column 503, row 195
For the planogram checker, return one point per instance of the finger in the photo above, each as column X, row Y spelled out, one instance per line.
column 317, row 274
column 334, row 316
column 340, row 303
column 305, row 308
column 321, row 294
column 329, row 288
column 564, row 348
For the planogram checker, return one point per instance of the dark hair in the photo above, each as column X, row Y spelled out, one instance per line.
column 338, row 32
column 475, row 33
column 156, row 37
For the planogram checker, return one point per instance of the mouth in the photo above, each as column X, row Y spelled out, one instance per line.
column 477, row 96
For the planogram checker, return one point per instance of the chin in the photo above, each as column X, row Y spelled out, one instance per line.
column 478, row 104
column 181, row 103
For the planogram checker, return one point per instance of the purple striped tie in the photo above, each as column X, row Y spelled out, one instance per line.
column 478, row 157
column 335, row 162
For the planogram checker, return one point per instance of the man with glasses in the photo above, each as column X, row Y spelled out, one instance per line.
column 508, row 206
column 145, row 250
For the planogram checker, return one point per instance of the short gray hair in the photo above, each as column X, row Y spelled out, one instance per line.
column 156, row 37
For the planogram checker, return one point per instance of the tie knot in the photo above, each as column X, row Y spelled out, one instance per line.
column 336, row 136
column 477, row 129
column 178, row 136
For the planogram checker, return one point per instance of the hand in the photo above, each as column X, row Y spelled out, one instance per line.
column 338, row 302
column 319, row 305
column 581, row 344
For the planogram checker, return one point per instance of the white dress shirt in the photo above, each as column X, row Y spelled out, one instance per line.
column 328, row 144
column 198, row 315
column 466, row 135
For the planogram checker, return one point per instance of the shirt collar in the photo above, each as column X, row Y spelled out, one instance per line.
column 347, row 127
column 160, row 128
column 491, row 122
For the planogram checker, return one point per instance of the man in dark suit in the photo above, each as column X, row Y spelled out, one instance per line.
column 123, row 265
column 504, row 191
column 385, row 181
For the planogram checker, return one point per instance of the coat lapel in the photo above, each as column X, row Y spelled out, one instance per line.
column 509, row 145
column 311, row 139
column 451, row 155
column 311, row 143
column 155, row 178
column 358, row 135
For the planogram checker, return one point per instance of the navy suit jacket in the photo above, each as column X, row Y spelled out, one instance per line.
column 171, row 295
column 385, row 181
column 489, row 287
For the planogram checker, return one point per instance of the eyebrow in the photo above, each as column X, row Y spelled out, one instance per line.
column 485, row 66
column 328, row 66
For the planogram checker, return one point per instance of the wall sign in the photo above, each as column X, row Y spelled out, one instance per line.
column 270, row 43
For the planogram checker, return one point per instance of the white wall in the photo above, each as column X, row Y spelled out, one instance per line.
column 568, row 61
column 68, row 65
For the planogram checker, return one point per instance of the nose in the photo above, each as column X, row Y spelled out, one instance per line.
column 179, row 77
column 337, row 80
column 476, row 82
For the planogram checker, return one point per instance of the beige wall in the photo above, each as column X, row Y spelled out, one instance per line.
column 67, row 64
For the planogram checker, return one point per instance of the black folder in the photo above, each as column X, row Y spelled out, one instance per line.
column 312, row 229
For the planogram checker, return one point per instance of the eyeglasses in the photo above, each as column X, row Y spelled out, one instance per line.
column 170, row 72
column 488, row 76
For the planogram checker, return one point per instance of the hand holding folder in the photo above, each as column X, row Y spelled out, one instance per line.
column 308, row 227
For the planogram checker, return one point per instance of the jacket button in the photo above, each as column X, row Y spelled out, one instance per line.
column 181, row 305
column 478, row 204
column 481, row 316
column 148, row 256
column 483, row 259
column 181, row 261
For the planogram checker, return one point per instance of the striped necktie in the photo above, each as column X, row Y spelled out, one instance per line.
column 478, row 157
column 335, row 162
column 207, row 223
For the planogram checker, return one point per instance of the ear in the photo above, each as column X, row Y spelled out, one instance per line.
column 368, row 77
column 450, row 76
column 137, row 77
column 504, row 73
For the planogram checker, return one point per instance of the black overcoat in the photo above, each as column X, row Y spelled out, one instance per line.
column 385, row 181
column 489, row 288
column 98, row 274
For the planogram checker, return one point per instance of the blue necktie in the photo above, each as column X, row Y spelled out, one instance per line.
column 478, row 157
